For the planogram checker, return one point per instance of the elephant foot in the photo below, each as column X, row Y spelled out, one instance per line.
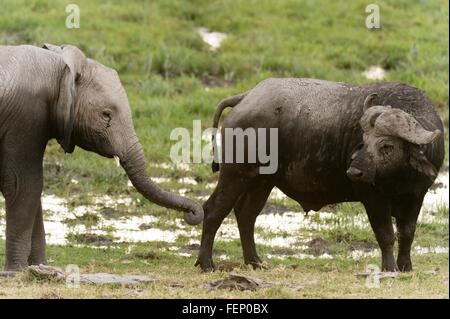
column 37, row 261
column 15, row 267
column 205, row 265
column 404, row 264
column 8, row 273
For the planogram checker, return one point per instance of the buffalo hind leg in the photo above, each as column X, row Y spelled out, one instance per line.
column 247, row 210
column 216, row 208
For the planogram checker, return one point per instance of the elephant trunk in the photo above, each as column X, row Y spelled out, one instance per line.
column 134, row 164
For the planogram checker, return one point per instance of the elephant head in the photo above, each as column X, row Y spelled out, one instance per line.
column 392, row 140
column 92, row 112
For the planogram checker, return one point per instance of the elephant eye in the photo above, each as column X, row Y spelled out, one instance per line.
column 106, row 114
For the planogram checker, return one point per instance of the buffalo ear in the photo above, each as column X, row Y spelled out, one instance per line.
column 421, row 164
column 64, row 113
column 369, row 101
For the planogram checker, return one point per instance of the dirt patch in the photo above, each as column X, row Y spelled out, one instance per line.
column 110, row 213
column 51, row 295
column 212, row 81
column 89, row 219
column 188, row 249
column 227, row 266
column 191, row 247
column 283, row 252
column 317, row 247
column 347, row 238
column 145, row 226
column 91, row 239
column 146, row 255
column 362, row 245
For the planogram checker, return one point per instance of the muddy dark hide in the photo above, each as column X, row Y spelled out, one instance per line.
column 380, row 144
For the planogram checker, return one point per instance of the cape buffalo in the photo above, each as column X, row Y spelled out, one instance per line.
column 380, row 144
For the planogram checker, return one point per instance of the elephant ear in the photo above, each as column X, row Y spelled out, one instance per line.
column 64, row 113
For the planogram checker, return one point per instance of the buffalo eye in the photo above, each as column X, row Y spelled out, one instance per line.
column 386, row 150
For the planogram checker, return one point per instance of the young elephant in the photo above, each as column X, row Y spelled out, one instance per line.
column 56, row 92
column 379, row 144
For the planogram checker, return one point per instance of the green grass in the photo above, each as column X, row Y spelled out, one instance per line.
column 292, row 278
column 163, row 65
column 162, row 61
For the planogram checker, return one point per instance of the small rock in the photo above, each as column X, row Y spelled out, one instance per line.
column 381, row 275
column 239, row 282
column 104, row 278
column 43, row 272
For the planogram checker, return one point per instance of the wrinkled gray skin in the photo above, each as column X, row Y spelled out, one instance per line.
column 56, row 92
column 379, row 144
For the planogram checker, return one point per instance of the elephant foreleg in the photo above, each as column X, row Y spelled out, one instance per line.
column 21, row 185
column 37, row 254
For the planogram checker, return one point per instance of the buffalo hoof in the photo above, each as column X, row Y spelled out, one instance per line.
column 205, row 266
column 404, row 265
column 257, row 265
column 389, row 268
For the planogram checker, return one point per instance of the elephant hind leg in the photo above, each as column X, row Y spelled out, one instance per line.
column 247, row 210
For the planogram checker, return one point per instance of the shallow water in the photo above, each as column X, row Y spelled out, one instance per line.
column 280, row 230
